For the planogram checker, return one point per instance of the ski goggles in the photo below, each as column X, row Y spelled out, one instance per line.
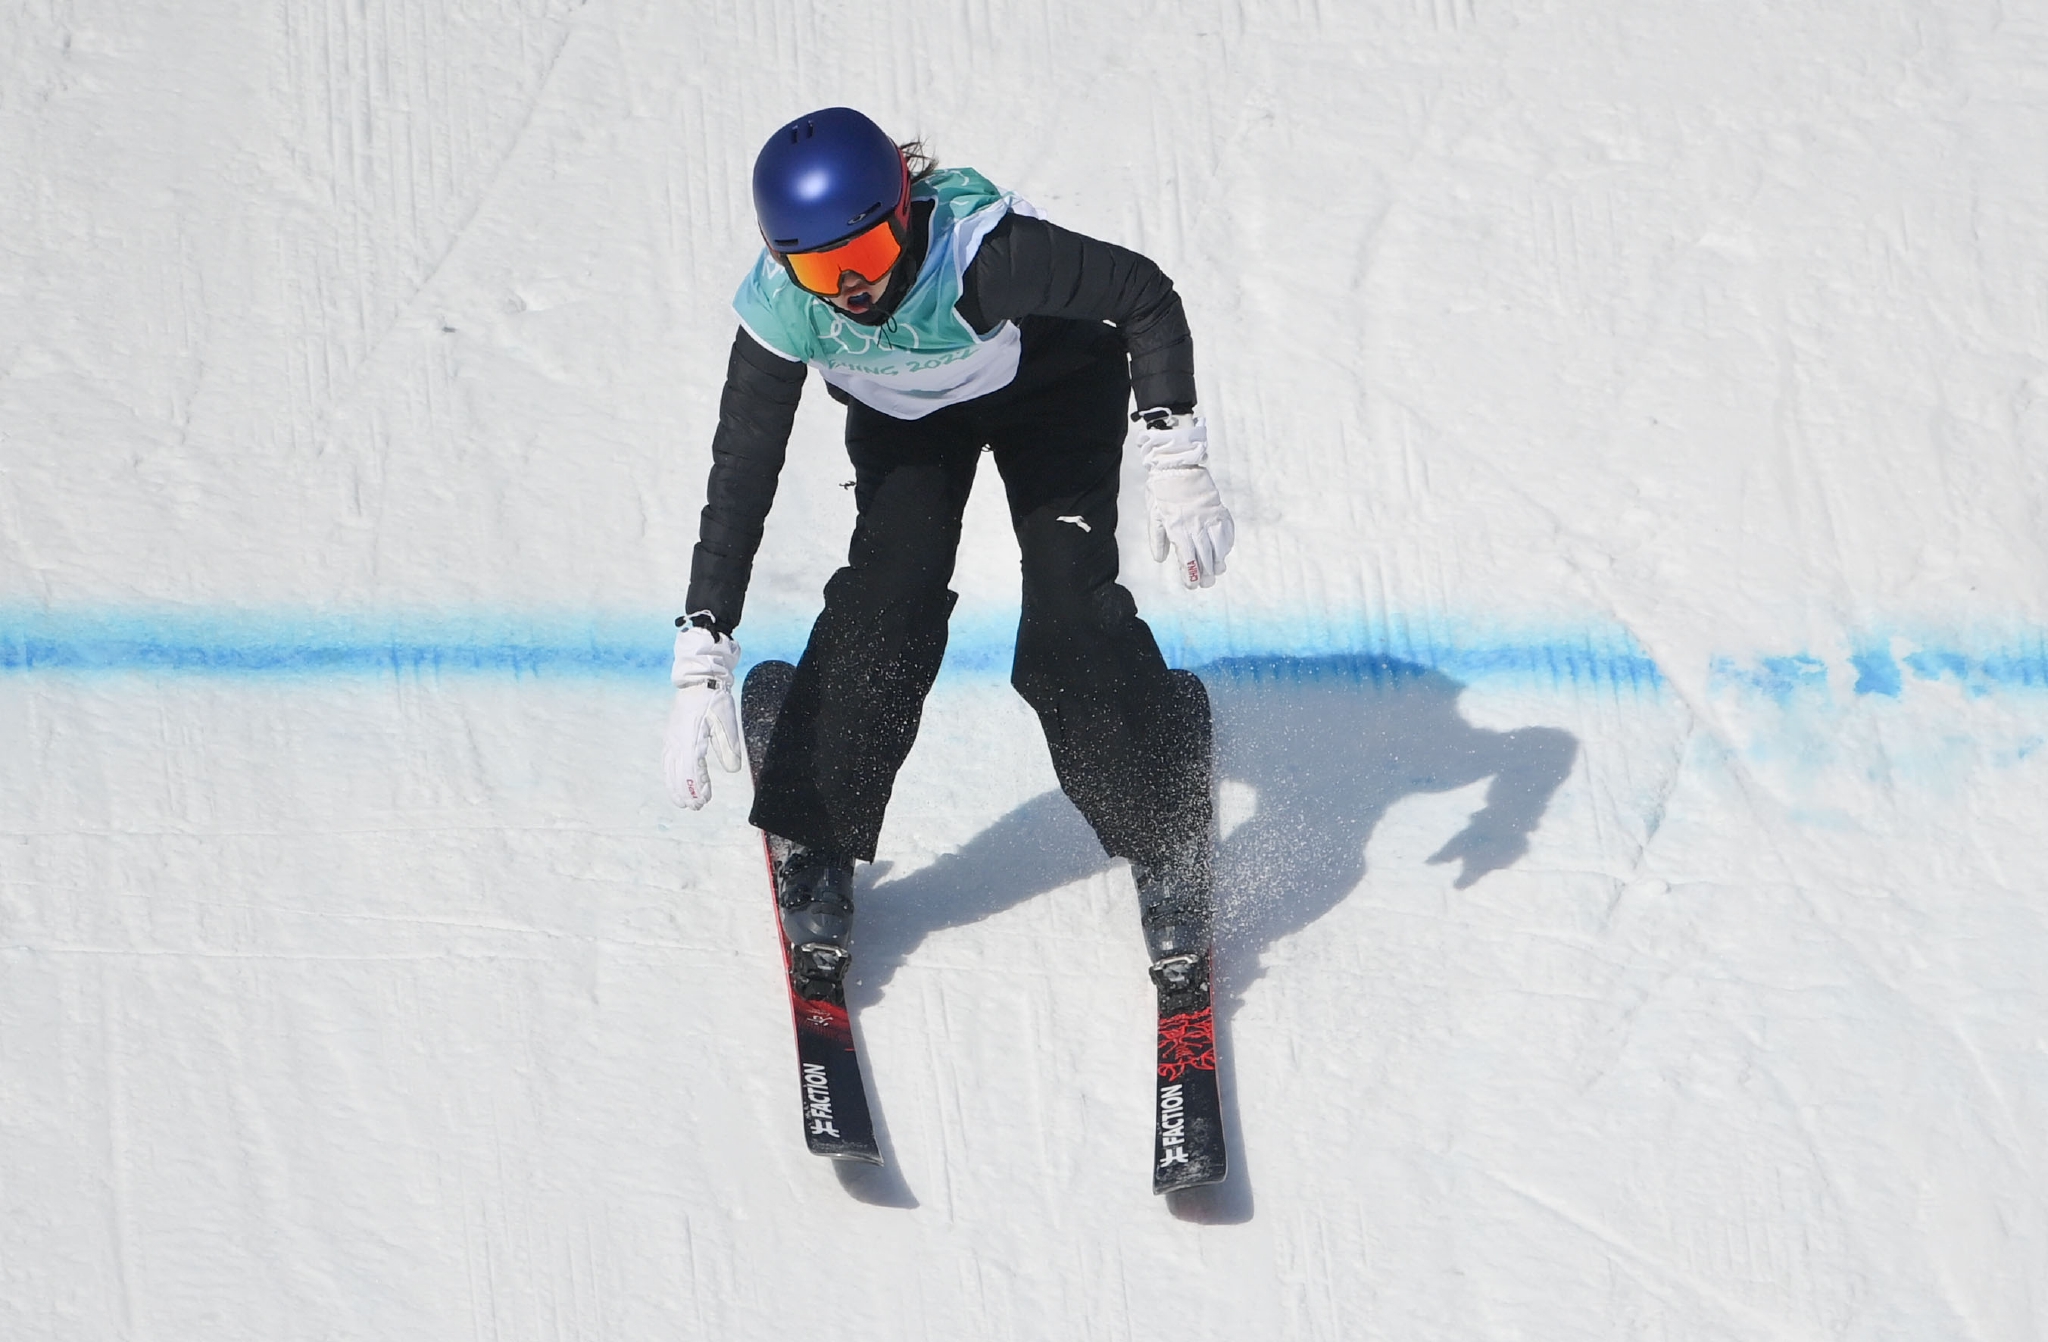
column 869, row 254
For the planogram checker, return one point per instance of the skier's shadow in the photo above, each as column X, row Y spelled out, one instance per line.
column 1325, row 746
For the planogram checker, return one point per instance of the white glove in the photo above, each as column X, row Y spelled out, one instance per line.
column 703, row 715
column 1187, row 513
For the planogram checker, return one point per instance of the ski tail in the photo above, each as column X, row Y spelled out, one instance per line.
column 836, row 1118
column 1188, row 1147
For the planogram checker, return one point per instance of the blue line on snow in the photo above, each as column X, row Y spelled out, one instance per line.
column 1978, row 666
column 635, row 647
column 292, row 647
column 1777, row 678
column 244, row 644
column 1876, row 672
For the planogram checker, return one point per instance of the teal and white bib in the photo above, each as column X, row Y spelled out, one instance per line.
column 926, row 355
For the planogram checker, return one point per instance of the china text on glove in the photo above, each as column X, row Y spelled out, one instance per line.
column 1186, row 513
column 703, row 715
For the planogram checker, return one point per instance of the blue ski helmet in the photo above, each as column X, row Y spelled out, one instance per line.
column 826, row 176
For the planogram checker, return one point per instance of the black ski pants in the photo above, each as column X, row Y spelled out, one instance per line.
column 1121, row 737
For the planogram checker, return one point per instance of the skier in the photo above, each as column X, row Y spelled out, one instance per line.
column 946, row 315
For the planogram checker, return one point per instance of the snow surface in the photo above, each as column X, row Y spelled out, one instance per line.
column 1631, row 682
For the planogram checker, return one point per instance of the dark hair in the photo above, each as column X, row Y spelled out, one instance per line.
column 919, row 159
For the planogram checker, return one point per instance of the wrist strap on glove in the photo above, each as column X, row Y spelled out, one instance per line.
column 703, row 619
column 1175, row 442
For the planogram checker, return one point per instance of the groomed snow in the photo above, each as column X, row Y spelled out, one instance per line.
column 1631, row 682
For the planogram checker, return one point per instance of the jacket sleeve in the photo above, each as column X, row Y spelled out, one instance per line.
column 1027, row 267
column 755, row 413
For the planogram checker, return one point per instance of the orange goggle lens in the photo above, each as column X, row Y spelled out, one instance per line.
column 868, row 254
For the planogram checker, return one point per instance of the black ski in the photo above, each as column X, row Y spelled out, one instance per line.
column 835, row 1100
column 1188, row 1148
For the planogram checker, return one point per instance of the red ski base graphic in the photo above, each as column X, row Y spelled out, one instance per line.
column 1187, row 1040
column 827, row 1021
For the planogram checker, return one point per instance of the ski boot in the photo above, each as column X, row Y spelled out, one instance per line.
column 1176, row 908
column 814, row 890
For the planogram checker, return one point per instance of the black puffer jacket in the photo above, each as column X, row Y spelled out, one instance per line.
column 1045, row 278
